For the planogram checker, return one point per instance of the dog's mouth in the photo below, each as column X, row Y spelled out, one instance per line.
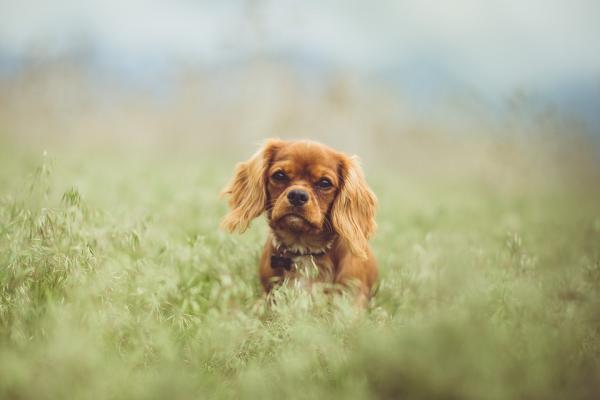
column 295, row 222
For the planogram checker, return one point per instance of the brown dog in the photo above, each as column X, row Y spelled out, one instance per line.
column 320, row 211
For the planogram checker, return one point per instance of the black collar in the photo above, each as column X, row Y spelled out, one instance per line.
column 281, row 262
column 284, row 258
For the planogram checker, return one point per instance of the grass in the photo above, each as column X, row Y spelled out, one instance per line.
column 115, row 282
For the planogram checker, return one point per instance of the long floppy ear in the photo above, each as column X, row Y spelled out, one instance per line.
column 247, row 192
column 353, row 211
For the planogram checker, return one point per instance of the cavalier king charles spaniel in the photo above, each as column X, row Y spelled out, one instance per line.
column 321, row 214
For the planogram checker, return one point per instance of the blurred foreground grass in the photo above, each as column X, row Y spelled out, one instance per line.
column 115, row 282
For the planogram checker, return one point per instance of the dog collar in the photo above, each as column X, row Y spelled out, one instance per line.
column 278, row 262
column 285, row 258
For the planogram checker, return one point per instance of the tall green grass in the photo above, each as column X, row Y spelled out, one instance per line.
column 115, row 282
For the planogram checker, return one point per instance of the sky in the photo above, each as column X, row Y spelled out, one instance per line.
column 492, row 46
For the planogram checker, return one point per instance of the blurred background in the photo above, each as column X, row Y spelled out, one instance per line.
column 478, row 123
column 375, row 78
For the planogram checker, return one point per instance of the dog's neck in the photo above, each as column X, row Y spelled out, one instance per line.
column 292, row 245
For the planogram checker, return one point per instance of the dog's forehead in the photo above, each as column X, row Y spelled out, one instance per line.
column 308, row 157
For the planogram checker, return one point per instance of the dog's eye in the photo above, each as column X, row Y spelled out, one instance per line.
column 324, row 183
column 279, row 176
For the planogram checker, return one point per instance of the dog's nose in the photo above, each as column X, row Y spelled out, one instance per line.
column 297, row 197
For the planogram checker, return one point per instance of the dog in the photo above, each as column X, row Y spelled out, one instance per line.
column 320, row 211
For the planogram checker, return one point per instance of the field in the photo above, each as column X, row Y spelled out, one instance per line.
column 116, row 282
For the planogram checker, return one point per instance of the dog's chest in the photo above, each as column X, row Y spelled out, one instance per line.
column 306, row 270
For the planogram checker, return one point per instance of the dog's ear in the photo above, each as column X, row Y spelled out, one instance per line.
column 353, row 211
column 247, row 191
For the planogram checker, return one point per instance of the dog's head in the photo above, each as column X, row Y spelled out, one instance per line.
column 307, row 189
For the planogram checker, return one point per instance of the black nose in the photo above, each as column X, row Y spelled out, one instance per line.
column 297, row 197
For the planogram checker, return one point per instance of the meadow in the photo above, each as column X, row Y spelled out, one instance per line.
column 116, row 282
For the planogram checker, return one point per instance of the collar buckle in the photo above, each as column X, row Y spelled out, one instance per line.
column 281, row 262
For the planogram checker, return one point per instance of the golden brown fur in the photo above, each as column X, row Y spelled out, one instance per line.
column 319, row 208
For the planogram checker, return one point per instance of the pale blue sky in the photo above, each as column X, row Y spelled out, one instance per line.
column 492, row 46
